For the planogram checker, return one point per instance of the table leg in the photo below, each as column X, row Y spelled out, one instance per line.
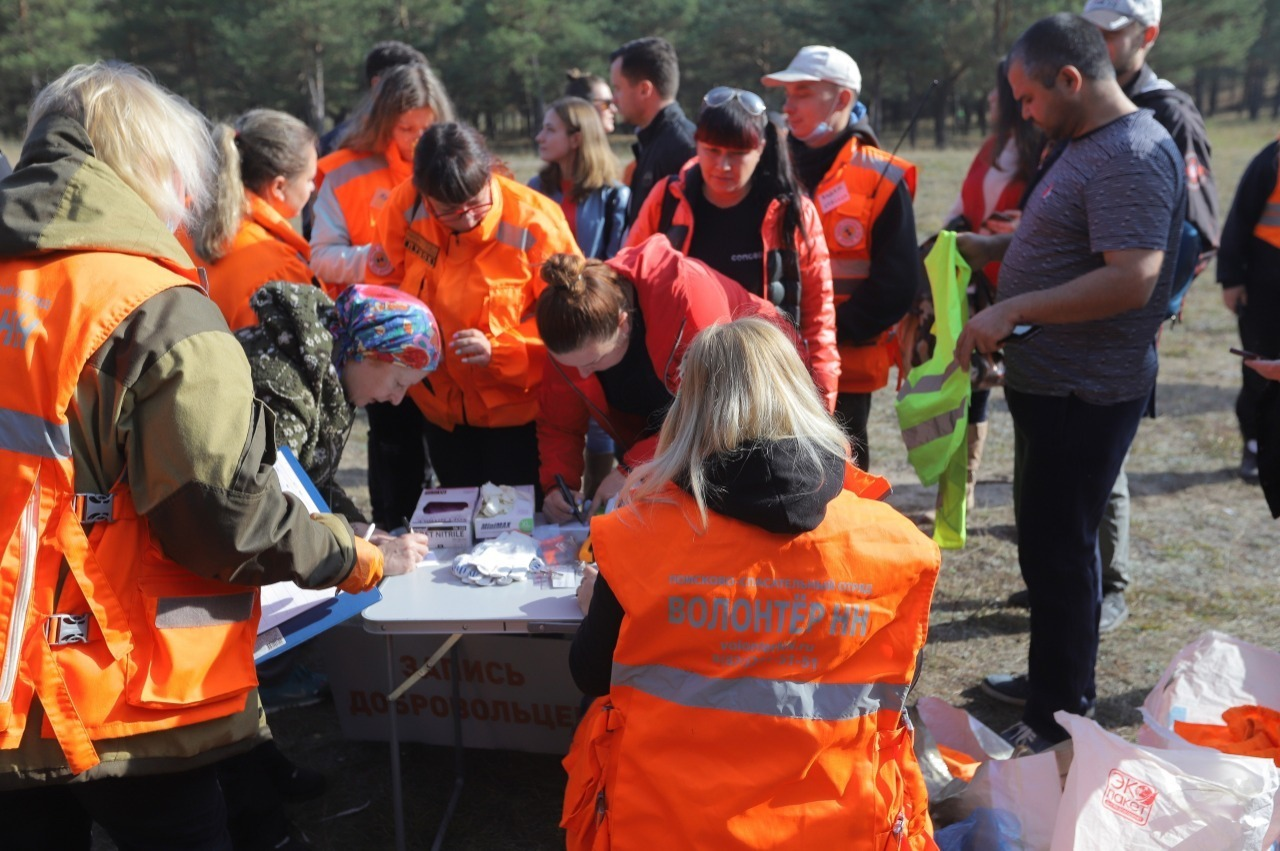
column 459, row 753
column 397, row 792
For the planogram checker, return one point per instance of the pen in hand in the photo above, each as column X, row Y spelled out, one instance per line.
column 368, row 533
column 563, row 487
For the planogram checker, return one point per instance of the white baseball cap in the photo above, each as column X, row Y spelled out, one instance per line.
column 817, row 63
column 1112, row 15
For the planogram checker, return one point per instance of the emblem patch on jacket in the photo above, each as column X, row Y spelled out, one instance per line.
column 421, row 246
column 849, row 233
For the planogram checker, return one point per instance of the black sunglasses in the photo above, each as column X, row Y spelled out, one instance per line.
column 721, row 95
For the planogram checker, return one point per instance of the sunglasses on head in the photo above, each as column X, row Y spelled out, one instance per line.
column 721, row 95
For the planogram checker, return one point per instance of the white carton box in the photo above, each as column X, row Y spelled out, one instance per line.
column 444, row 516
column 512, row 516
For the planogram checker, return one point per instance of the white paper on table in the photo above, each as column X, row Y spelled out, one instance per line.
column 283, row 600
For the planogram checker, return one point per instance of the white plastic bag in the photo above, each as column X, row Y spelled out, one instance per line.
column 1204, row 679
column 1122, row 795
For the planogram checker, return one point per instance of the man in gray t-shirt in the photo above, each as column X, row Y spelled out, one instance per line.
column 1089, row 266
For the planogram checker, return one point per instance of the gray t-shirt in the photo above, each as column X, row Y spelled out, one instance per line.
column 1117, row 187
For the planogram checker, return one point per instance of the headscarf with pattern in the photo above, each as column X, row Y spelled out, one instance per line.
column 384, row 324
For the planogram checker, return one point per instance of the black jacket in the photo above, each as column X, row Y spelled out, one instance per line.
column 661, row 149
column 1177, row 113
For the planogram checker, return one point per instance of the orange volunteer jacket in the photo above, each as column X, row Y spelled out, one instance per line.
column 1268, row 227
column 817, row 309
column 849, row 199
column 759, row 683
column 352, row 187
column 128, row 642
column 265, row 249
column 486, row 278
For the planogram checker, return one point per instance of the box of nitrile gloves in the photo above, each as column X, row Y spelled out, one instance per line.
column 444, row 516
column 503, row 508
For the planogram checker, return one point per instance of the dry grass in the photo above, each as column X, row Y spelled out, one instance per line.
column 1203, row 551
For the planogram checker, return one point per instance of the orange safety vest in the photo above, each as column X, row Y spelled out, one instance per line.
column 111, row 637
column 759, row 683
column 362, row 183
column 1268, row 227
column 265, row 249
column 486, row 278
column 850, row 199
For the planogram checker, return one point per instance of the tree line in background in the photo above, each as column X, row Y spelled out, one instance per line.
column 502, row 60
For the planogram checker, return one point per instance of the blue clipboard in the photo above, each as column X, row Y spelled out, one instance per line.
column 317, row 619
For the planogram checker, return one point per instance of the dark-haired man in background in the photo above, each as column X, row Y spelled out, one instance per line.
column 1091, row 264
column 645, row 75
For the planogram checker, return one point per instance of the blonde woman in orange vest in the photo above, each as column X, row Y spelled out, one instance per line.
column 754, row 628
column 469, row 243
column 266, row 174
column 373, row 158
column 140, row 505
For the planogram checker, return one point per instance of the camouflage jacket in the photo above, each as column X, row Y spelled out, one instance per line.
column 290, row 353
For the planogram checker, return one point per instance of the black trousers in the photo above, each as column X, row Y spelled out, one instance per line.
column 161, row 812
column 1071, row 453
column 853, row 410
column 469, row 456
column 399, row 465
column 1259, row 333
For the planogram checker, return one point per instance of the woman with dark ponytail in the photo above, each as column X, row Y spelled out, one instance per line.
column 737, row 207
column 266, row 174
column 615, row 333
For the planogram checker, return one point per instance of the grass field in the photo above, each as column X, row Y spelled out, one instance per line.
column 1204, row 552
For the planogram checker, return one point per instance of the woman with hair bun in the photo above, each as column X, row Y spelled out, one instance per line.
column 737, row 208
column 616, row 332
column 469, row 243
column 754, row 628
column 266, row 174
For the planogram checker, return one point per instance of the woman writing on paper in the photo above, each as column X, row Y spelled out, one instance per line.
column 315, row 361
column 615, row 333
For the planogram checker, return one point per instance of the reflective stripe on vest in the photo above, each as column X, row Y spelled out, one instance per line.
column 515, row 236
column 811, row 701
column 933, row 404
column 33, row 435
column 350, row 171
column 893, row 174
column 1271, row 215
column 932, row 429
column 210, row 610
column 1268, row 227
column 847, row 274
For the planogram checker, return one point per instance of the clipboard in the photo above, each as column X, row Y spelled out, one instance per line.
column 316, row 610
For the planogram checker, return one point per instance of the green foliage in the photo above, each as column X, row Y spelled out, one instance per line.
column 504, row 59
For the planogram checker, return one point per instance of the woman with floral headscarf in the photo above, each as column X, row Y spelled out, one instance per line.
column 314, row 361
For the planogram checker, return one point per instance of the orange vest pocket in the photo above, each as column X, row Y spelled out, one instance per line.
column 586, row 804
column 195, row 648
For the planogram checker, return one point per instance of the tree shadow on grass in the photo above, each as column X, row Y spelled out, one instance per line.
column 979, row 626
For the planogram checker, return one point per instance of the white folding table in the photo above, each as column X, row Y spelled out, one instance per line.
column 432, row 601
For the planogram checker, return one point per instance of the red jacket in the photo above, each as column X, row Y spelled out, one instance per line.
column 817, row 307
column 973, row 201
column 678, row 297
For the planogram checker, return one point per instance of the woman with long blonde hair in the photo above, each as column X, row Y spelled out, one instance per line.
column 756, row 619
column 581, row 173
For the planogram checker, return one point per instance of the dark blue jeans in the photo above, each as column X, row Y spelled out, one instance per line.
column 1071, row 454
